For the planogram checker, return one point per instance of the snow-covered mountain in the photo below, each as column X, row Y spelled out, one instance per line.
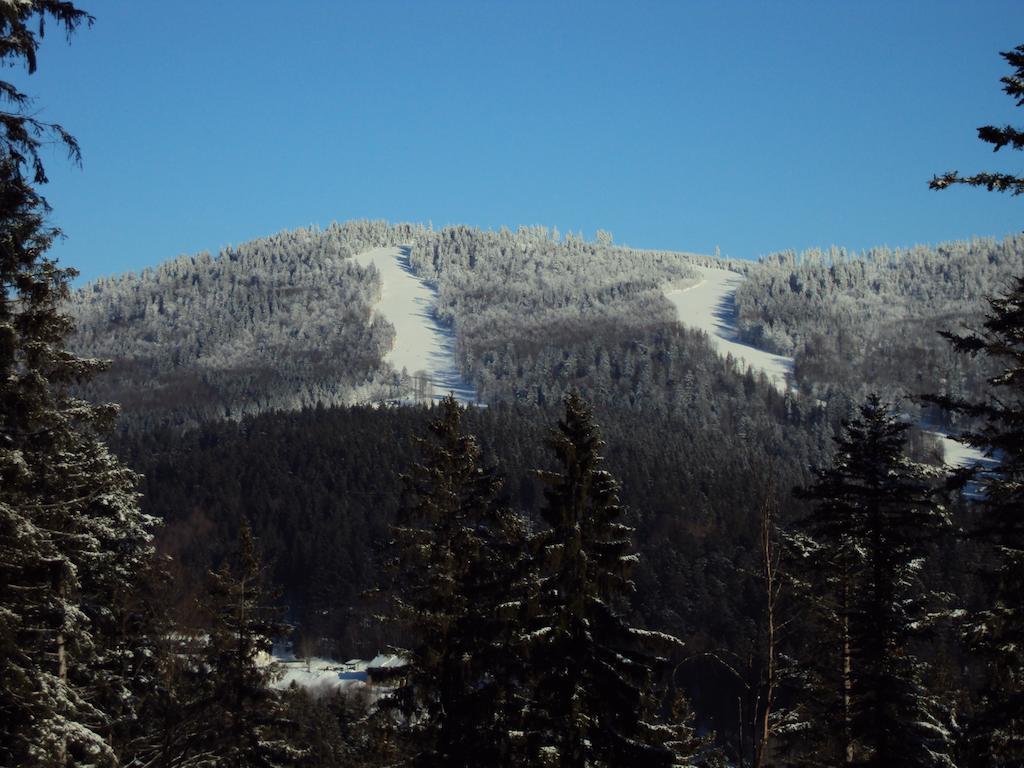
column 375, row 312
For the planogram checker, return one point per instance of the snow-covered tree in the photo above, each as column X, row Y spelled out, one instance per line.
column 458, row 565
column 862, row 549
column 593, row 674
column 995, row 733
column 72, row 536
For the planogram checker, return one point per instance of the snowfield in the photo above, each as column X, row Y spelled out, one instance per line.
column 421, row 344
column 710, row 305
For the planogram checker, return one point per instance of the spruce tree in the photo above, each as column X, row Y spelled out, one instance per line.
column 72, row 536
column 242, row 716
column 863, row 547
column 161, row 671
column 593, row 674
column 457, row 559
column 995, row 731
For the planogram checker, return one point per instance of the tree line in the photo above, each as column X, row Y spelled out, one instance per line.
column 870, row 321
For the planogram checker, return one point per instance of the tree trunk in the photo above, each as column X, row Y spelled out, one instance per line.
column 770, row 566
column 847, row 674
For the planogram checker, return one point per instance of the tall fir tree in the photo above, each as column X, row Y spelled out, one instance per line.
column 242, row 722
column 72, row 536
column 995, row 731
column 593, row 675
column 457, row 565
column 861, row 551
column 22, row 133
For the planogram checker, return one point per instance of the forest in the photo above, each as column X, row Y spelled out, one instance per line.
column 631, row 552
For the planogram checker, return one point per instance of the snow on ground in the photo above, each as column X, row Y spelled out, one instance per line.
column 710, row 305
column 421, row 343
column 318, row 675
column 956, row 454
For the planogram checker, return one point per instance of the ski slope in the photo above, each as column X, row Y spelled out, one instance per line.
column 710, row 305
column 421, row 343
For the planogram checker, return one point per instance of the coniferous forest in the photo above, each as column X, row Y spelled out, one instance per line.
column 630, row 550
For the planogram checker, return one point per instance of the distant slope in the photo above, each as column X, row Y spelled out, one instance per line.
column 302, row 317
column 422, row 347
column 869, row 322
column 709, row 305
column 310, row 316
column 277, row 323
column 957, row 454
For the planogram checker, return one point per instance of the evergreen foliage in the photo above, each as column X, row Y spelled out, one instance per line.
column 72, row 536
column 995, row 732
column 862, row 551
column 457, row 564
column 593, row 673
column 861, row 323
column 280, row 322
column 242, row 723
column 521, row 635
column 311, row 484
column 22, row 135
column 998, row 137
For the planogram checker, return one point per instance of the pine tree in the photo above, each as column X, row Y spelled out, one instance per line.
column 995, row 732
column 457, row 564
column 73, row 532
column 161, row 671
column 863, row 548
column 72, row 536
column 593, row 685
column 242, row 719
column 21, row 133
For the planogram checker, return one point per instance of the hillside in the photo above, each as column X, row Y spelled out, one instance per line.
column 707, row 413
column 870, row 322
column 310, row 316
column 710, row 305
column 353, row 312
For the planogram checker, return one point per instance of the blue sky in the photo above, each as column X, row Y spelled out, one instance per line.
column 751, row 126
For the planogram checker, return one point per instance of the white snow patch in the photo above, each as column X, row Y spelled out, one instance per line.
column 319, row 675
column 957, row 454
column 422, row 344
column 710, row 305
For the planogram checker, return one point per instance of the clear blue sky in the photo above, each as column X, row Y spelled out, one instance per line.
column 753, row 126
